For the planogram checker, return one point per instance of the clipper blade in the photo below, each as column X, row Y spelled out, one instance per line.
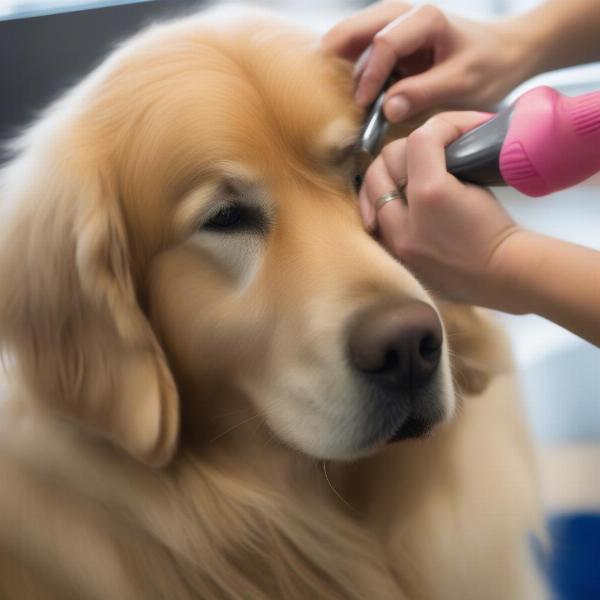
column 371, row 138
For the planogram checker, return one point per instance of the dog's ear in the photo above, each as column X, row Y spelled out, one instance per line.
column 69, row 314
column 478, row 349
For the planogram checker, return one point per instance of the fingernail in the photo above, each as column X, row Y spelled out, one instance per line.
column 361, row 63
column 396, row 108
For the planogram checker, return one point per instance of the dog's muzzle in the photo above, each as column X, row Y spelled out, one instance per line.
column 397, row 350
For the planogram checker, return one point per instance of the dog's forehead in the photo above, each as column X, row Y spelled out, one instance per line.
column 175, row 107
column 251, row 86
column 282, row 87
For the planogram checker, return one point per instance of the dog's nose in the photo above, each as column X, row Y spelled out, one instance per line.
column 397, row 347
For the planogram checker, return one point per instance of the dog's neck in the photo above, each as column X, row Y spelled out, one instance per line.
column 240, row 504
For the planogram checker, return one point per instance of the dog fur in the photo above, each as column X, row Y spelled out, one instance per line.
column 178, row 420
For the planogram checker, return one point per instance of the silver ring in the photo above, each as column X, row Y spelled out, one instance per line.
column 397, row 194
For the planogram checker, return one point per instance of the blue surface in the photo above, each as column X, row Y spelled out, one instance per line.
column 573, row 564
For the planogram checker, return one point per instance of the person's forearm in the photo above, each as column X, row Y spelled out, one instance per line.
column 554, row 279
column 561, row 33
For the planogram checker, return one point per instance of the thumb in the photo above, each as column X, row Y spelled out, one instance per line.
column 437, row 86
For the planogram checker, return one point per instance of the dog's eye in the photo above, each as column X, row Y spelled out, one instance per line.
column 228, row 217
column 233, row 218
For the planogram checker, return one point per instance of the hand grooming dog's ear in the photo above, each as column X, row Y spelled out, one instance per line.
column 478, row 349
column 70, row 316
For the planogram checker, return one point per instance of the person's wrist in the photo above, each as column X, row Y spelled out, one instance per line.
column 509, row 271
column 539, row 44
column 522, row 49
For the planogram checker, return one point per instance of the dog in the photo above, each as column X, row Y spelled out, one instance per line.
column 216, row 384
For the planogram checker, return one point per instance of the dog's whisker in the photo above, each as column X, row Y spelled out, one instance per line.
column 261, row 429
column 234, row 427
column 268, row 438
column 339, row 496
column 229, row 414
column 462, row 334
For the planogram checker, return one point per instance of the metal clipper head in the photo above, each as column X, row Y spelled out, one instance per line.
column 374, row 130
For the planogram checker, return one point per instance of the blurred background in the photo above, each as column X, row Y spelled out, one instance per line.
column 45, row 45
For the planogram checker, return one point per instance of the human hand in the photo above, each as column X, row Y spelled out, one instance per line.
column 449, row 234
column 442, row 61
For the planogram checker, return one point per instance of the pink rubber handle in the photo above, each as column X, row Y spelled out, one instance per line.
column 553, row 141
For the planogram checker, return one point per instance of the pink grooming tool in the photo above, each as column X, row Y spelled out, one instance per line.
column 542, row 143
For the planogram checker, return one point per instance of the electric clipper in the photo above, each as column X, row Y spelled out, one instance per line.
column 542, row 143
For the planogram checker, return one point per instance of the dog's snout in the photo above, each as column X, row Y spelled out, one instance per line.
column 397, row 347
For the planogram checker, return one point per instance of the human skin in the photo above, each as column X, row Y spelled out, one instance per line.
column 463, row 245
column 453, row 62
column 457, row 238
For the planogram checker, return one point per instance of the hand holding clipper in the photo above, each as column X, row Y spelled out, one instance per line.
column 542, row 143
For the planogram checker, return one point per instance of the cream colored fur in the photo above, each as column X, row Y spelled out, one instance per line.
column 148, row 447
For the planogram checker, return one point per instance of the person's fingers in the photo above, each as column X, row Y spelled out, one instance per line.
column 378, row 182
column 417, row 162
column 408, row 33
column 393, row 156
column 372, row 182
column 426, row 161
column 392, row 225
column 351, row 36
column 392, row 218
column 372, row 71
column 365, row 208
column 417, row 62
column 417, row 93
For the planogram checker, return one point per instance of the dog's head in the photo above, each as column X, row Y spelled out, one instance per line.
column 184, row 224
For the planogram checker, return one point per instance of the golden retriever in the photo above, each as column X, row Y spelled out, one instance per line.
column 206, row 357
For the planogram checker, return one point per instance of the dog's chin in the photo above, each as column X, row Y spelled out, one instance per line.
column 410, row 418
column 357, row 425
column 345, row 446
column 411, row 428
column 415, row 428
